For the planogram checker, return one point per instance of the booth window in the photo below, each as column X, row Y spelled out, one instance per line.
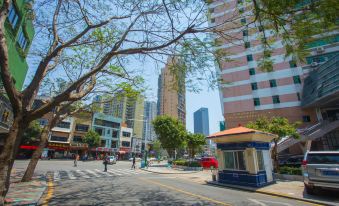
column 234, row 160
column 260, row 160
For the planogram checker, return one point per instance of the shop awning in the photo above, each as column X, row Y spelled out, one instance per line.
column 122, row 152
column 28, row 147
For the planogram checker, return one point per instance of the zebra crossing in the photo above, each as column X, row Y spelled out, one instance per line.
column 59, row 175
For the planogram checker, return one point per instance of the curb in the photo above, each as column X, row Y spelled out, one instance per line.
column 268, row 193
column 169, row 172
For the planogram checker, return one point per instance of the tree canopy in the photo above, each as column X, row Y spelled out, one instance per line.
column 194, row 142
column 32, row 133
column 92, row 138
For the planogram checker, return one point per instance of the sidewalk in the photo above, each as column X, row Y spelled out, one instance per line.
column 25, row 193
column 287, row 189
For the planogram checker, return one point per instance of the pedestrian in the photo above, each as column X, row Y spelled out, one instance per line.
column 133, row 161
column 76, row 159
column 105, row 162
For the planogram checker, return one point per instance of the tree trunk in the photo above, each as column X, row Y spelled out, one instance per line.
column 36, row 156
column 8, row 154
column 275, row 156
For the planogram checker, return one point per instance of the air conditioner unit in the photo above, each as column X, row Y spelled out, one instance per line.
column 314, row 64
column 320, row 49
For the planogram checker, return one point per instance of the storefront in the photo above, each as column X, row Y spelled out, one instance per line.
column 244, row 156
column 100, row 152
column 124, row 153
column 58, row 150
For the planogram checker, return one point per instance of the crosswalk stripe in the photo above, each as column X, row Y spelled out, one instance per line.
column 114, row 172
column 104, row 173
column 56, row 176
column 92, row 173
column 70, row 175
column 83, row 174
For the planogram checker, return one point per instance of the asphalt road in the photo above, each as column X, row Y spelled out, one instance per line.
column 88, row 185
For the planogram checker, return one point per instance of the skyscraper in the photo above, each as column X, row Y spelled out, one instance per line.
column 201, row 121
column 250, row 92
column 150, row 112
column 171, row 91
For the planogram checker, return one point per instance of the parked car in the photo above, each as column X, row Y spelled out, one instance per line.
column 137, row 159
column 112, row 160
column 294, row 161
column 208, row 162
column 321, row 170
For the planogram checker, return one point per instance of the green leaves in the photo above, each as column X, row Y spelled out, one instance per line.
column 92, row 138
column 32, row 133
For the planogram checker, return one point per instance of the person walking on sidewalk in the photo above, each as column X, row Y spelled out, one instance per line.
column 76, row 159
column 105, row 162
column 133, row 161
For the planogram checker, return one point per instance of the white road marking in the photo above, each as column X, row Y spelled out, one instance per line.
column 257, row 202
column 56, row 176
column 83, row 174
column 114, row 172
column 71, row 175
column 126, row 171
column 92, row 173
column 104, row 173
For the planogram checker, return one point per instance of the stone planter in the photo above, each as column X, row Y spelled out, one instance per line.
column 185, row 168
column 288, row 177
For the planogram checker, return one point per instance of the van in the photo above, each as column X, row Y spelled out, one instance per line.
column 321, row 170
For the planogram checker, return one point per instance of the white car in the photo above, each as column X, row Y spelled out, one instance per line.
column 152, row 159
column 136, row 159
column 112, row 160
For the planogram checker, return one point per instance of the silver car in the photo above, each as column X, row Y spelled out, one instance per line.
column 321, row 170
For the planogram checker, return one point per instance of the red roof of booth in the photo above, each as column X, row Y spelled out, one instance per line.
column 236, row 130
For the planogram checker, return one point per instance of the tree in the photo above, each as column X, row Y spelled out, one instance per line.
column 279, row 126
column 170, row 132
column 194, row 142
column 92, row 138
column 32, row 133
column 157, row 147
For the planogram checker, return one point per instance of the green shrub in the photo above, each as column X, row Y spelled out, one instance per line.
column 186, row 163
column 290, row 170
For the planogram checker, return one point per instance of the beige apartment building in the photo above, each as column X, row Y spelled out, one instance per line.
column 171, row 92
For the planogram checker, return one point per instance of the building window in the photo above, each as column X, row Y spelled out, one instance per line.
column 99, row 130
column 293, row 64
column 13, row 16
column 247, row 45
column 103, row 143
column 306, row 118
column 240, row 1
column 252, row 71
column 43, row 122
column 81, row 127
column 108, row 131
column 77, row 139
column 106, row 123
column 254, row 86
column 59, row 139
column 126, row 134
column 22, row 40
column 115, row 134
column 296, row 79
column 276, row 99
column 245, row 32
column 298, row 95
column 243, row 21
column 249, row 57
column 65, row 125
column 234, row 160
column 241, row 10
column 260, row 158
column 125, row 144
column 213, row 20
column 273, row 83
column 114, row 144
column 256, row 101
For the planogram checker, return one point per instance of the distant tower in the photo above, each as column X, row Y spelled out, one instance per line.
column 201, row 122
column 171, row 91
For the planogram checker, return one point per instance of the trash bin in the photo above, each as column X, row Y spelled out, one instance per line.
column 143, row 164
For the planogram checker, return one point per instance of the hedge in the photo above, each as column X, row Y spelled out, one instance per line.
column 186, row 163
column 290, row 170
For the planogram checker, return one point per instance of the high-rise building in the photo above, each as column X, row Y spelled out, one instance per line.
column 129, row 109
column 150, row 112
column 19, row 33
column 249, row 92
column 171, row 91
column 201, row 121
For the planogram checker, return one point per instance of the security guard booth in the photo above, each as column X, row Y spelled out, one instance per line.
column 244, row 156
